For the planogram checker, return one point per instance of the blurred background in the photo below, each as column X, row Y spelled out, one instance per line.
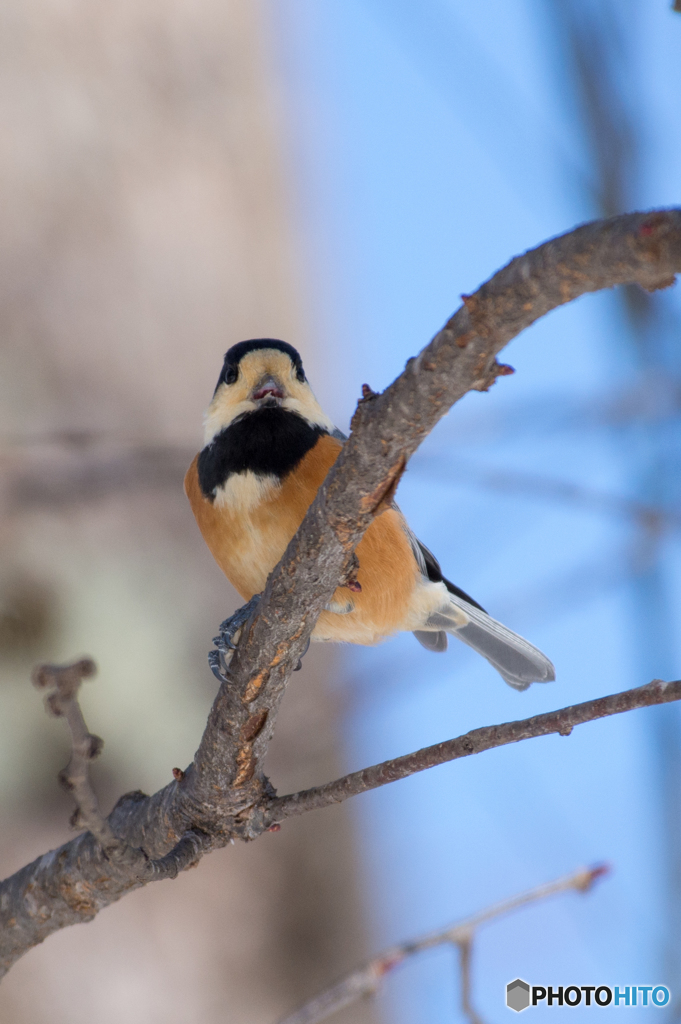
column 177, row 177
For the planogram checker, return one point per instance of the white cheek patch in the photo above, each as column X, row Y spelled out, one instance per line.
column 244, row 491
column 220, row 414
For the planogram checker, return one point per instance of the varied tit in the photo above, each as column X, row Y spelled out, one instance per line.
column 268, row 447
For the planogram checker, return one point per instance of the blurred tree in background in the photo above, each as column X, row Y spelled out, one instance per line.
column 144, row 228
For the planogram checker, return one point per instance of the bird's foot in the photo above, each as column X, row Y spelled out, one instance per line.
column 227, row 639
column 230, row 629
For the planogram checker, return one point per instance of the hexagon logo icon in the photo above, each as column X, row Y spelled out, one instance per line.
column 517, row 995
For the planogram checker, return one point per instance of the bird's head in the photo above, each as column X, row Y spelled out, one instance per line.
column 261, row 374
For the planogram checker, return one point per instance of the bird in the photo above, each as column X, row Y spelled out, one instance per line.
column 268, row 447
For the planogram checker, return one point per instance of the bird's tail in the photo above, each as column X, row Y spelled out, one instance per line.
column 516, row 660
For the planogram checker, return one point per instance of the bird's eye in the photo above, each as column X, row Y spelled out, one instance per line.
column 231, row 375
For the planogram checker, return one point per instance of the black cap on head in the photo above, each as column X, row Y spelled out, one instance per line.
column 236, row 353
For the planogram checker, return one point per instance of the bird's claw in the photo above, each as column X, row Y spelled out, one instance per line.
column 231, row 627
column 218, row 665
column 228, row 637
column 300, row 662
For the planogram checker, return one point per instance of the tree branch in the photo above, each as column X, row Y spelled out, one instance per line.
column 63, row 683
column 367, row 980
column 225, row 793
column 474, row 742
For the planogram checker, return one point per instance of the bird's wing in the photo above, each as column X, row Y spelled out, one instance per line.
column 434, row 572
column 516, row 660
column 430, row 568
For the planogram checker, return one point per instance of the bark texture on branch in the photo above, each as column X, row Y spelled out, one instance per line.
column 225, row 793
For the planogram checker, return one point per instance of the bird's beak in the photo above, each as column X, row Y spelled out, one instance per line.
column 268, row 390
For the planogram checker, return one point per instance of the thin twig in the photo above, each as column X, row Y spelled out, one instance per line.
column 474, row 742
column 367, row 979
column 63, row 683
column 465, row 956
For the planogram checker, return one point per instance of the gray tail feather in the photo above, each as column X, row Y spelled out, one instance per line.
column 431, row 640
column 517, row 661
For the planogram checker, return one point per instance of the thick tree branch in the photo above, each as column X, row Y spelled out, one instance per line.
column 224, row 793
column 474, row 742
column 367, row 980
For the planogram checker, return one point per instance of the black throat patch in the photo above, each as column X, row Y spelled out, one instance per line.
column 267, row 442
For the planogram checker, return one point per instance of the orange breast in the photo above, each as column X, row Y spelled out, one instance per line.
column 248, row 532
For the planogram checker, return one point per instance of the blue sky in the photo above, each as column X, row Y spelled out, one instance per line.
column 430, row 143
